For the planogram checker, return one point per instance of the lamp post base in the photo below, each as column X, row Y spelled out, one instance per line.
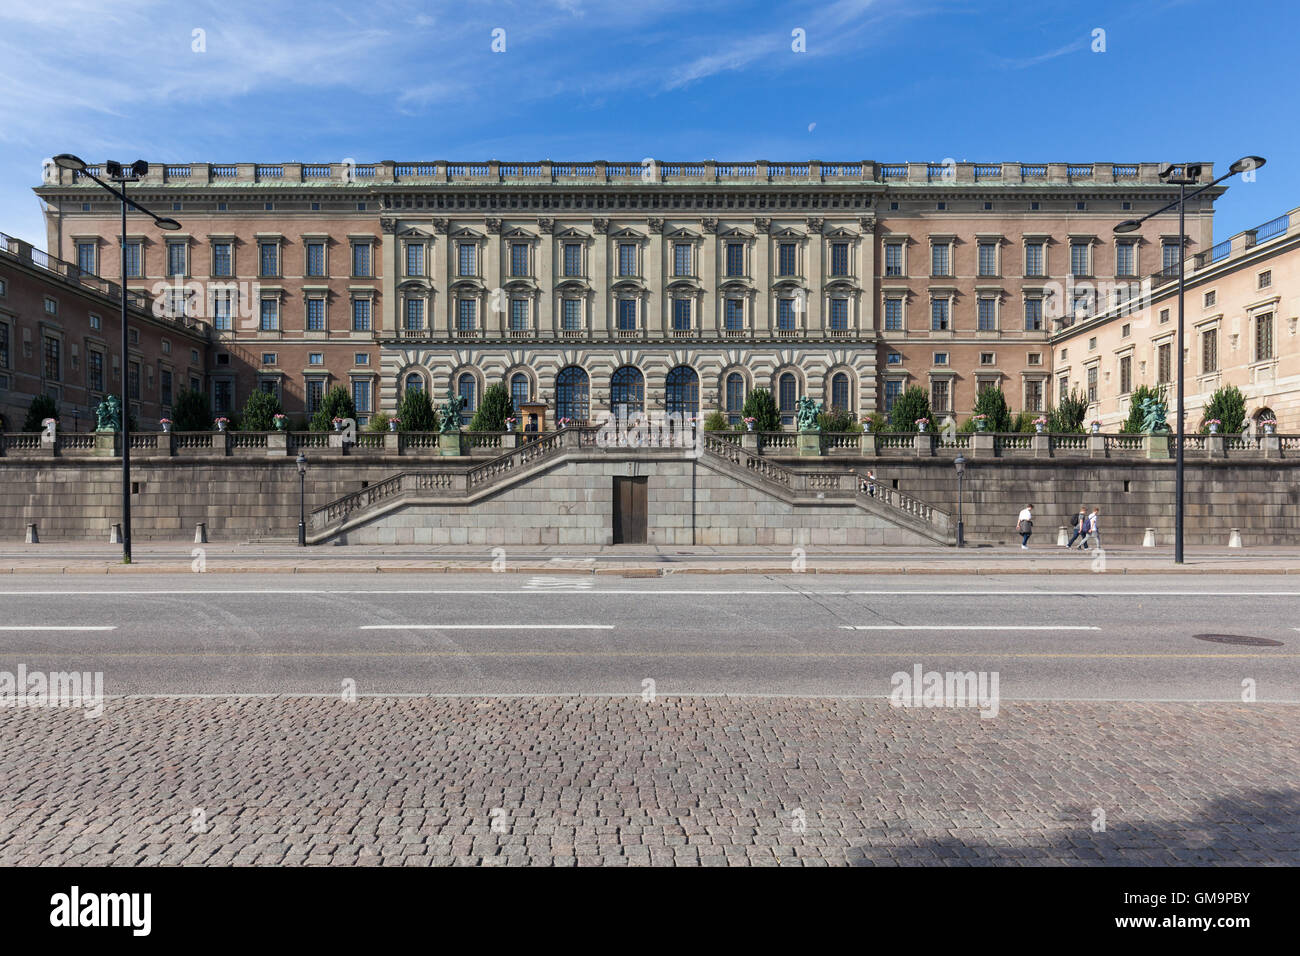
column 302, row 535
column 961, row 534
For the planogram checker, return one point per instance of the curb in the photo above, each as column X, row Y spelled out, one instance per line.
column 631, row 571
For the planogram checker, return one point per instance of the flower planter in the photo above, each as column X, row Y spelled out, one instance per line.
column 221, row 426
column 1038, row 429
column 166, row 427
column 920, row 428
column 1270, row 428
column 1214, row 429
column 1096, row 428
column 392, row 425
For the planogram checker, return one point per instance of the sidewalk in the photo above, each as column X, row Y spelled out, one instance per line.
column 629, row 560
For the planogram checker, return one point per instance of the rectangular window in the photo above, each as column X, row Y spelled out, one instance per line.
column 988, row 259
column 415, row 258
column 627, row 315
column 939, row 315
column 988, row 358
column 361, row 395
column 361, row 259
column 133, row 380
column 360, row 358
column 466, row 313
column 269, row 358
column 840, row 314
column 414, row 315
column 165, row 384
column 893, row 391
column 1164, row 316
column 894, row 315
column 572, row 259
column 316, row 315
column 940, row 358
column 785, row 314
column 627, row 258
column 1125, row 374
column 681, row 314
column 1063, row 387
column 223, row 397
column 86, row 257
column 1209, row 351
column 939, row 395
column 518, row 259
column 893, row 258
column 315, row 395
column 519, row 315
column 839, row 258
column 223, row 260
column 95, row 371
column 1125, row 330
column 682, row 259
column 223, row 310
column 940, row 264
column 735, row 315
column 269, row 258
column 316, row 358
column 133, row 259
column 316, row 259
column 1034, row 395
column 270, row 315
column 1124, row 259
column 1169, row 258
column 1034, row 259
column 360, row 315
column 1263, row 337
column 894, row 358
column 988, row 315
column 467, row 259
column 1164, row 363
column 735, row 259
column 787, row 259
column 1079, row 259
column 176, row 258
column 51, row 366
column 1266, row 279
column 1033, row 315
column 1092, row 383
column 1209, row 298
column 571, row 316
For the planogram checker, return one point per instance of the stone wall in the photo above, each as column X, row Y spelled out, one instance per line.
column 78, row 499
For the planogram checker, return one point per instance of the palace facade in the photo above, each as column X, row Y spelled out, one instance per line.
column 656, row 286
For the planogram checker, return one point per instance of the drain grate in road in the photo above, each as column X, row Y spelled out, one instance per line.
column 1238, row 639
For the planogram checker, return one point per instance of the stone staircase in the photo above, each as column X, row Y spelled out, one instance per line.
column 459, row 485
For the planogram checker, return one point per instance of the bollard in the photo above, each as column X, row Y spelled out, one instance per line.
column 1234, row 538
column 32, row 537
column 1062, row 536
column 1149, row 539
column 115, row 534
column 201, row 533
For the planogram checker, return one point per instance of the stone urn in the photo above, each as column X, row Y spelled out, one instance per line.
column 221, row 424
column 1038, row 429
column 166, row 426
column 981, row 424
column 1270, row 428
column 920, row 427
column 392, row 424
column 1214, row 428
column 1096, row 428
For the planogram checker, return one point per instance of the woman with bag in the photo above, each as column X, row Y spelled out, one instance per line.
column 1025, row 526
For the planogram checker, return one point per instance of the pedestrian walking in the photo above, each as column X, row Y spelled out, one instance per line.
column 1025, row 526
column 1080, row 524
column 1093, row 534
column 871, row 483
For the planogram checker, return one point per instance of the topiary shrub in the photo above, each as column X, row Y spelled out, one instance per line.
column 1228, row 405
column 417, row 413
column 337, row 404
column 838, row 421
column 191, row 412
column 716, row 421
column 493, row 411
column 378, row 422
column 761, row 406
column 911, row 405
column 41, row 408
column 991, row 402
column 1068, row 416
column 260, row 411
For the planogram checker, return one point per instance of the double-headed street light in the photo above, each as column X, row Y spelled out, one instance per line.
column 121, row 175
column 1183, row 176
column 960, row 465
column 302, row 499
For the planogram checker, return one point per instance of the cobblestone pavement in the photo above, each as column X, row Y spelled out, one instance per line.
column 693, row 781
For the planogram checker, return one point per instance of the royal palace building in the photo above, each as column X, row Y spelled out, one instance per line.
column 674, row 287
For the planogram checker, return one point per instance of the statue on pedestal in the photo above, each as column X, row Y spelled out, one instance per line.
column 108, row 415
column 806, row 412
column 449, row 413
column 1154, row 413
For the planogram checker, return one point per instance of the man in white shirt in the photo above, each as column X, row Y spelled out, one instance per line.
column 1025, row 526
column 1093, row 533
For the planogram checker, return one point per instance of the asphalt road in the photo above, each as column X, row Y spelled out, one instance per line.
column 1063, row 637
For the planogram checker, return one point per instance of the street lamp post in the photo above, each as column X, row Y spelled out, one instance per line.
column 122, row 175
column 302, row 500
column 1183, row 176
column 960, row 465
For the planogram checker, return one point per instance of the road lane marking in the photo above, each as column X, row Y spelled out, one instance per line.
column 968, row 627
column 486, row 627
column 658, row 592
column 234, row 654
column 59, row 627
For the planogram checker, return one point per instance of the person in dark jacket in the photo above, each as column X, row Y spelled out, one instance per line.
column 1080, row 524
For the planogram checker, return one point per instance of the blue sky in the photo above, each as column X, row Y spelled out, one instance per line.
column 586, row 79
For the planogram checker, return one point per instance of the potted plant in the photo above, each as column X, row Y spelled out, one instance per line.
column 46, row 423
column 221, row 423
column 866, row 424
column 166, row 424
column 749, row 421
column 1039, row 424
column 564, row 422
column 1270, row 425
column 981, row 423
column 1096, row 427
column 280, row 421
column 921, row 424
column 393, row 423
column 337, row 423
column 1214, row 424
column 510, row 424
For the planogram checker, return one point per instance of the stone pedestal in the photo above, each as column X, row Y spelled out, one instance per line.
column 749, row 442
column 983, row 445
column 1157, row 446
column 1271, row 445
column 336, row 441
column 923, row 444
column 1096, row 446
column 809, row 444
column 451, row 444
column 1041, row 445
column 1215, row 446
column 867, row 445
column 509, row 440
column 277, row 443
column 392, row 443
column 106, row 444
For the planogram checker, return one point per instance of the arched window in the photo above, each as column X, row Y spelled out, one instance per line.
column 840, row 392
column 787, row 395
column 572, row 395
column 682, row 392
column 415, row 382
column 521, row 390
column 465, row 389
column 627, row 392
column 735, row 397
